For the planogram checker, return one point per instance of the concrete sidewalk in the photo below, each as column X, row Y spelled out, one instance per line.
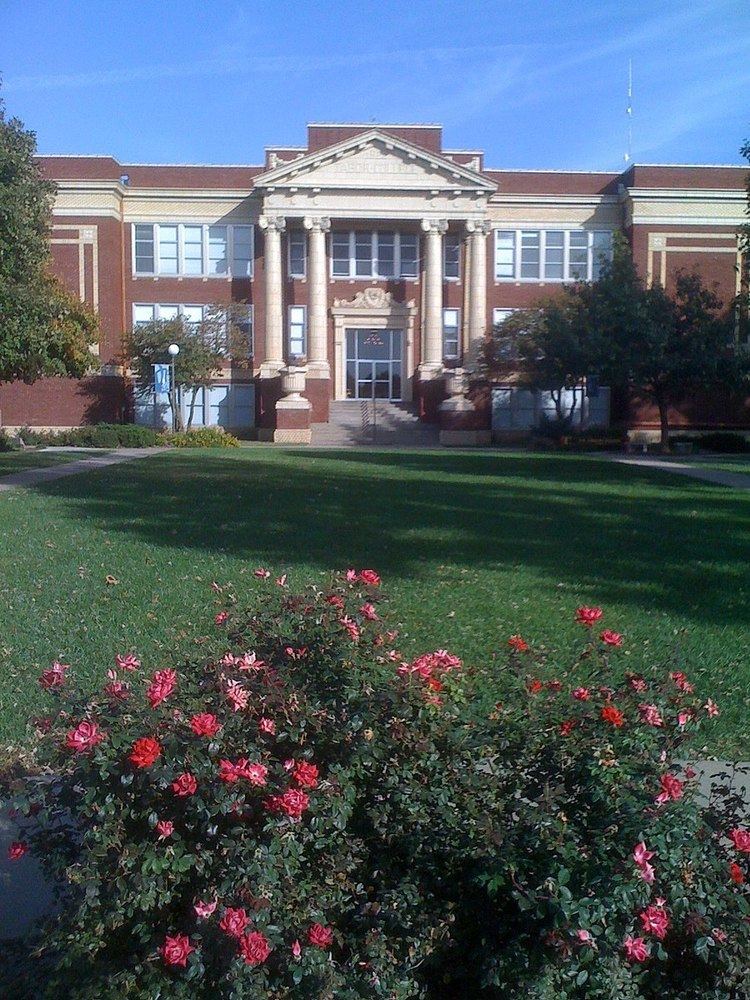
column 737, row 480
column 34, row 477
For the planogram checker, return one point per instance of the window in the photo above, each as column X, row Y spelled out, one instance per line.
column 452, row 256
column 374, row 255
column 297, row 331
column 297, row 253
column 193, row 315
column 144, row 249
column 500, row 315
column 451, row 333
column 550, row 254
column 243, row 320
column 181, row 249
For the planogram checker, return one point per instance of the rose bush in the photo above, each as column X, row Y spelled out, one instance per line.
column 301, row 811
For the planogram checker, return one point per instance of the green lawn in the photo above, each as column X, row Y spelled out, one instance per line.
column 17, row 461
column 472, row 547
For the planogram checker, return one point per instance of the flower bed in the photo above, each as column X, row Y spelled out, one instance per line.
column 301, row 811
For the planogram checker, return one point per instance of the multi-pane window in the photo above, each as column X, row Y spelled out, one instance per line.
column 183, row 249
column 194, row 315
column 365, row 254
column 297, row 253
column 551, row 254
column 297, row 331
column 452, row 255
column 451, row 333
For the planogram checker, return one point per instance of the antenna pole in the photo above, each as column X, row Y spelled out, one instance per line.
column 629, row 112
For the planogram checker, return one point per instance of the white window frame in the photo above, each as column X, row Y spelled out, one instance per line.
column 501, row 309
column 374, row 275
column 204, row 273
column 298, row 323
column 591, row 235
column 296, row 233
column 158, row 306
column 457, row 238
column 456, row 328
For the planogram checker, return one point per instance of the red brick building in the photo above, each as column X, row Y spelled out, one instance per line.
column 373, row 253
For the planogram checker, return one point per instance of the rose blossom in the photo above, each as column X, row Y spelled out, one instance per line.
column 320, row 936
column 368, row 611
column 650, row 714
column 351, row 627
column 684, row 716
column 741, row 840
column 234, row 921
column 641, row 854
column 238, row 696
column 610, row 638
column 17, row 850
column 165, row 828
column 162, row 685
column 146, row 751
column 335, row 601
column 176, row 949
column 588, row 617
column 184, row 785
column 612, row 715
column 636, row 949
column 85, row 736
column 567, row 727
column 581, row 694
column 306, row 774
column 681, row 681
column 736, row 874
column 655, row 920
column 370, row 577
column 267, row 726
column 204, row 910
column 221, row 618
column 127, row 662
column 54, row 676
column 518, row 644
column 351, row 575
column 261, row 573
column 116, row 689
column 292, row 803
column 534, row 686
column 249, row 661
column 672, row 789
column 718, row 935
column 254, row 948
column 638, row 684
column 281, row 580
column 296, row 949
column 712, row 708
column 205, row 724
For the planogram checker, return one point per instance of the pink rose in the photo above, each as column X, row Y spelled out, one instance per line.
column 205, row 724
column 267, row 726
column 204, row 910
column 165, row 828
column 261, row 573
column 127, row 662
column 237, row 695
column 234, row 921
column 610, row 638
column 351, row 575
column 221, row 618
column 176, row 949
column 681, row 681
column 370, row 577
column 296, row 949
column 162, row 685
column 84, row 737
column 636, row 949
column 581, row 694
column 650, row 715
column 588, row 617
column 184, row 785
column 654, row 920
column 368, row 611
column 55, row 676
column 712, row 708
column 672, row 789
column 741, row 840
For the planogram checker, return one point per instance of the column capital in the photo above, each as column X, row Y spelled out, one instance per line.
column 317, row 223
column 272, row 222
column 439, row 226
column 482, row 227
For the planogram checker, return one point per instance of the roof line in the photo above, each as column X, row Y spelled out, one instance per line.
column 376, row 125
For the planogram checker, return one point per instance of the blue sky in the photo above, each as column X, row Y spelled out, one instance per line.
column 536, row 84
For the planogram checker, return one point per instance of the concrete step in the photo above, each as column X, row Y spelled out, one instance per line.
column 351, row 423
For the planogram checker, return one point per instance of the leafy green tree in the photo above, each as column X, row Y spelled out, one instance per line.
column 44, row 330
column 206, row 348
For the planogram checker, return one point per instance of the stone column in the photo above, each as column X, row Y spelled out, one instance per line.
column 273, row 227
column 317, row 318
column 432, row 340
column 478, row 231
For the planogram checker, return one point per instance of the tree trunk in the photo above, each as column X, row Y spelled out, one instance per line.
column 192, row 407
column 664, row 424
column 176, row 415
column 557, row 400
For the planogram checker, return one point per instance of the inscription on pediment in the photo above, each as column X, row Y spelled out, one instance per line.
column 375, row 167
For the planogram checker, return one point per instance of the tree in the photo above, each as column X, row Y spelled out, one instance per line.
column 44, row 330
column 206, row 348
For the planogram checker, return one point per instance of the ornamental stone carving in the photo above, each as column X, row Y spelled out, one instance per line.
column 435, row 226
column 318, row 224
column 275, row 223
column 372, row 298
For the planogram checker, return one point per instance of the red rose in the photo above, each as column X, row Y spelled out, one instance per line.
column 567, row 727
column 55, row 676
column 588, row 616
column 535, row 686
column 17, row 850
column 335, row 601
column 320, row 936
column 254, row 948
column 205, row 724
column 185, row 785
column 306, row 775
column 518, row 644
column 162, row 685
column 221, row 618
column 611, row 638
column 370, row 577
column 613, row 716
column 654, row 920
column 234, row 922
column 146, row 751
column 85, row 736
column 292, row 803
column 672, row 789
column 736, row 873
column 176, row 949
column 165, row 828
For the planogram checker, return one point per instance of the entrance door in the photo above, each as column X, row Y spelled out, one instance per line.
column 373, row 364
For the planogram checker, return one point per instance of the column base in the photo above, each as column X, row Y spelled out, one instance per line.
column 318, row 369
column 271, row 369
column 430, row 370
column 292, row 421
column 461, row 424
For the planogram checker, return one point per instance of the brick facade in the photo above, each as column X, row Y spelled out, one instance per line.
column 360, row 178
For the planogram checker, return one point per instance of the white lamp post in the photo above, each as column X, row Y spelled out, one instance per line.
column 174, row 350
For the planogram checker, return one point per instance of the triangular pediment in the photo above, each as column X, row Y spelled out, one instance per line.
column 374, row 161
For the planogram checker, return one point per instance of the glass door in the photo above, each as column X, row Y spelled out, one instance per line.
column 373, row 364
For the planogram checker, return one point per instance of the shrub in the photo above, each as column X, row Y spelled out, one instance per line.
column 7, row 443
column 724, row 441
column 98, row 436
column 302, row 812
column 203, row 437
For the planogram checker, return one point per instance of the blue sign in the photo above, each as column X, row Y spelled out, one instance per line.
column 162, row 380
